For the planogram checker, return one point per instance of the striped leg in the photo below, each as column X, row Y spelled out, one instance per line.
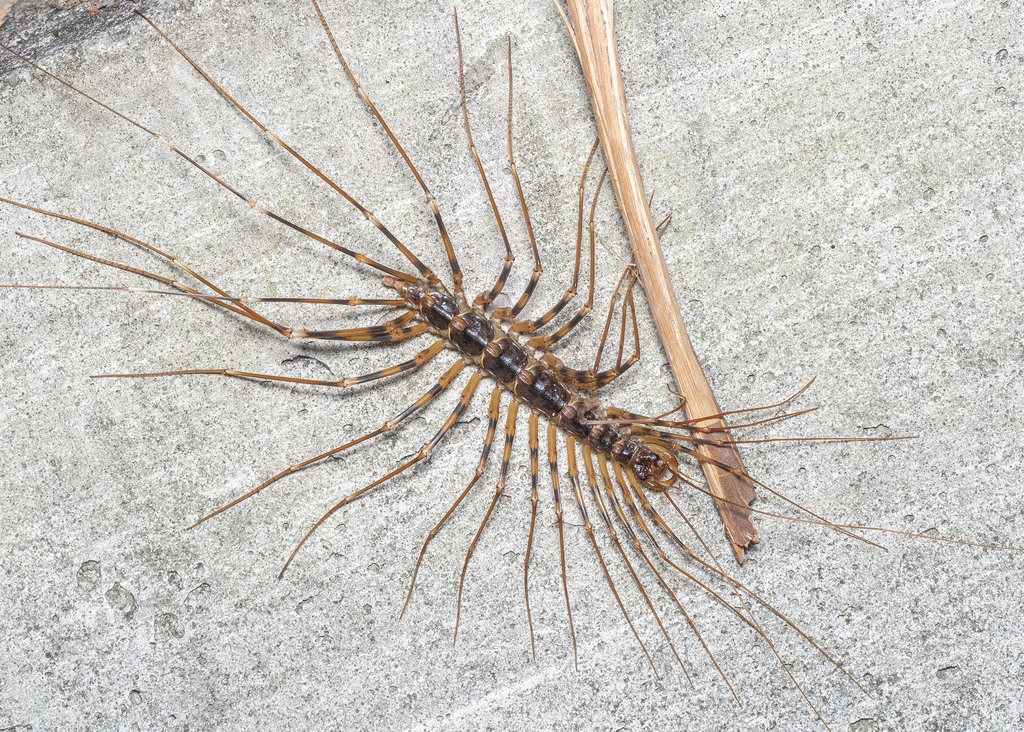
column 553, row 462
column 431, row 202
column 574, row 478
column 443, row 383
column 491, row 425
column 421, row 455
column 591, row 378
column 368, row 215
column 610, row 526
column 530, row 326
column 510, row 433
column 399, row 329
column 485, row 298
column 344, row 382
column 534, row 497
column 357, row 256
column 545, row 342
column 524, row 299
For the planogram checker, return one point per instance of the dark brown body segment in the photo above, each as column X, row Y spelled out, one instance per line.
column 483, row 341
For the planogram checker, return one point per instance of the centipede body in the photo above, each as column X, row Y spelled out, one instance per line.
column 177, row 417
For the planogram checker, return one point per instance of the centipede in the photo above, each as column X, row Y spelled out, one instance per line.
column 487, row 387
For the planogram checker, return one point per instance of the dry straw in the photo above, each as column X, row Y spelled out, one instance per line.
column 591, row 27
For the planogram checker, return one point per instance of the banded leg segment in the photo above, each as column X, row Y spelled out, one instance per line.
column 481, row 465
column 245, row 312
column 545, row 342
column 485, row 298
column 592, row 378
column 443, row 383
column 534, row 498
column 574, row 479
column 422, row 454
column 417, row 361
column 524, row 299
column 610, row 492
column 368, row 215
column 398, row 329
column 358, row 256
column 553, row 462
column 530, row 326
column 431, row 202
column 588, row 460
column 510, row 433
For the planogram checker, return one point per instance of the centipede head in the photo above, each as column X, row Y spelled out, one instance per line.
column 653, row 464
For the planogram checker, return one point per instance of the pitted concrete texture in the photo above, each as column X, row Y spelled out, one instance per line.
column 846, row 186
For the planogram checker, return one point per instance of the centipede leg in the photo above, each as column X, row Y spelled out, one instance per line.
column 357, row 256
column 453, row 260
column 538, row 269
column 443, row 383
column 422, row 454
column 610, row 317
column 531, row 326
column 481, row 465
column 547, row 341
column 574, row 479
column 590, row 379
column 510, row 433
column 610, row 526
column 368, row 215
column 553, row 462
column 416, row 362
column 603, row 465
column 399, row 329
column 534, row 498
column 751, row 621
column 485, row 298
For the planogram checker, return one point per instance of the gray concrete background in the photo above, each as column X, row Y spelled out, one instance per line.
column 846, row 184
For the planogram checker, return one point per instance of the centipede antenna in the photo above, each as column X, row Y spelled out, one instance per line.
column 690, row 483
column 660, row 421
column 820, row 439
column 574, row 479
column 442, row 383
column 431, row 202
column 416, row 362
column 662, row 227
column 534, row 498
column 368, row 215
column 359, row 257
column 785, row 401
column 422, row 454
column 553, row 462
column 751, row 621
column 484, row 299
column 932, row 538
column 780, row 496
column 491, row 425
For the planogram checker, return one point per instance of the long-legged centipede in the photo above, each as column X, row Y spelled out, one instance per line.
column 575, row 479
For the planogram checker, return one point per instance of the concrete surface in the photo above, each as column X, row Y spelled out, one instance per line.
column 846, row 184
